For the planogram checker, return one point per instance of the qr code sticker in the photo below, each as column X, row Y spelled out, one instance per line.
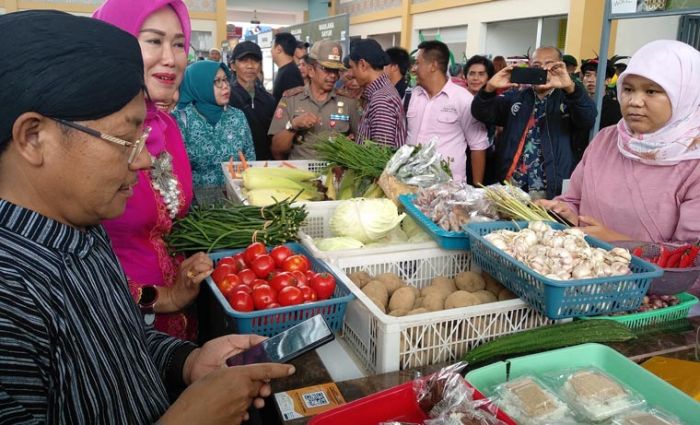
column 316, row 399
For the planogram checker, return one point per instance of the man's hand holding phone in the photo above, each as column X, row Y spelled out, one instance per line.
column 501, row 80
column 224, row 395
column 558, row 78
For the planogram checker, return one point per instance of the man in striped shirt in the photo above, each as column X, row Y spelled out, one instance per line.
column 74, row 348
column 383, row 120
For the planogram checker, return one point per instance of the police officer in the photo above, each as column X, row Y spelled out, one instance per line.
column 305, row 114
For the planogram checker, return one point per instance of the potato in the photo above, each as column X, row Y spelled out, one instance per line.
column 505, row 294
column 360, row 278
column 402, row 299
column 461, row 299
column 470, row 281
column 377, row 291
column 391, row 281
column 419, row 310
column 444, row 282
column 398, row 312
column 492, row 284
column 415, row 290
column 434, row 302
column 377, row 302
column 418, row 302
column 429, row 290
column 485, row 296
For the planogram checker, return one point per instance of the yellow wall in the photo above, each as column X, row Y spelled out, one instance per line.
column 584, row 23
column 218, row 18
column 584, row 27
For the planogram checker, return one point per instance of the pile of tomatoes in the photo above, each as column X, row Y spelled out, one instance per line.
column 258, row 279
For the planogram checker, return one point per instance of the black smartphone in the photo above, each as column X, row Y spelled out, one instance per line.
column 560, row 219
column 522, row 75
column 288, row 345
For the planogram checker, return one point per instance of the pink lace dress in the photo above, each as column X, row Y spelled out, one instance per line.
column 162, row 194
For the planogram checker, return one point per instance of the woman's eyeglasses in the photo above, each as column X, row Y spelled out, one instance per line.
column 221, row 82
column 136, row 147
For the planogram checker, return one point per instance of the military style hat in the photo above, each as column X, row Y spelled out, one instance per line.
column 328, row 53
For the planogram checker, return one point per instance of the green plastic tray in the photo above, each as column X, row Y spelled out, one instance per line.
column 654, row 390
column 653, row 317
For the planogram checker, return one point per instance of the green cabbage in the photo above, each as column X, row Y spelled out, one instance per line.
column 366, row 220
column 335, row 244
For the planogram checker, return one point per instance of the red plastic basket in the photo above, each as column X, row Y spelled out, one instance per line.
column 394, row 404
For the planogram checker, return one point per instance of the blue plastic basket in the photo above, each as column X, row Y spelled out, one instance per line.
column 271, row 322
column 445, row 239
column 561, row 299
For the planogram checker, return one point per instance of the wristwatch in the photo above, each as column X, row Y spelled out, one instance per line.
column 148, row 295
column 289, row 126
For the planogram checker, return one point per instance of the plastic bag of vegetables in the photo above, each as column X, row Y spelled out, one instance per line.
column 365, row 220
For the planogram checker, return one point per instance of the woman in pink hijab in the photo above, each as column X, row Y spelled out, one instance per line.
column 640, row 180
column 163, row 285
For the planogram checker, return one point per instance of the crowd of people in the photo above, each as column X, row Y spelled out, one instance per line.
column 100, row 156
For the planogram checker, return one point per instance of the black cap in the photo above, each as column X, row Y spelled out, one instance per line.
column 246, row 48
column 592, row 65
column 369, row 50
column 302, row 45
column 569, row 60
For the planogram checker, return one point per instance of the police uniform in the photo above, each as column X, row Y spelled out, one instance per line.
column 338, row 114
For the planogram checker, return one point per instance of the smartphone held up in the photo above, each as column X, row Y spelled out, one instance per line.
column 528, row 75
column 288, row 345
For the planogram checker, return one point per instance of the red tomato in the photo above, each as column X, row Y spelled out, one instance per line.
column 310, row 274
column 300, row 277
column 252, row 252
column 242, row 287
column 295, row 262
column 324, row 285
column 263, row 296
column 257, row 282
column 240, row 260
column 281, row 280
column 262, row 266
column 272, row 305
column 234, row 263
column 309, row 293
column 279, row 254
column 241, row 301
column 228, row 283
column 247, row 276
column 290, row 295
column 220, row 271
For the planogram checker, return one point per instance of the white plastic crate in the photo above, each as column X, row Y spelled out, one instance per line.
column 318, row 226
column 385, row 343
column 302, row 164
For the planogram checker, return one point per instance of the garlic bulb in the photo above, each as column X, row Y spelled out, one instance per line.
column 560, row 254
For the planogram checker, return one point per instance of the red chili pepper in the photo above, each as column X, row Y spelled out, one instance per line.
column 674, row 259
column 689, row 257
column 638, row 251
column 663, row 257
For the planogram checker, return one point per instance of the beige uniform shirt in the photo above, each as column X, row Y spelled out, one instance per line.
column 338, row 114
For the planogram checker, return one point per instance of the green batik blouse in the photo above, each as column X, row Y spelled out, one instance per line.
column 208, row 146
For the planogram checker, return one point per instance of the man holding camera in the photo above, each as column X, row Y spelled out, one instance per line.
column 540, row 122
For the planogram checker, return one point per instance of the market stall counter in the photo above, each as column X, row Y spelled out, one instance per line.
column 678, row 341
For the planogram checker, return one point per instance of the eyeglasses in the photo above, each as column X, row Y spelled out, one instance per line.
column 219, row 83
column 328, row 70
column 136, row 147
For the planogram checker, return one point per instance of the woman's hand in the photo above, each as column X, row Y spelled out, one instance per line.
column 224, row 395
column 189, row 276
column 560, row 208
column 595, row 228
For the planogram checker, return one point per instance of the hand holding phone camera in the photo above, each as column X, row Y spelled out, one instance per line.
column 288, row 345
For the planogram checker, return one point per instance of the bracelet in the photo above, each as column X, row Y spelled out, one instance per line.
column 148, row 295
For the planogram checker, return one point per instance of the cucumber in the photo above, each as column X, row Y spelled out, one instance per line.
column 550, row 337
